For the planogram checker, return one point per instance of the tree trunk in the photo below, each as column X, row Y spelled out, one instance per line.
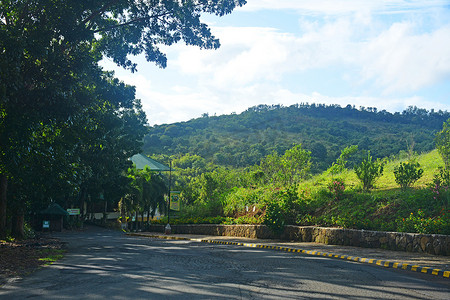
column 3, row 187
column 136, row 221
column 17, row 225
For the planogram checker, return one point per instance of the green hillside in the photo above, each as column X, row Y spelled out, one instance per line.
column 231, row 196
column 386, row 207
column 429, row 162
column 241, row 140
column 245, row 168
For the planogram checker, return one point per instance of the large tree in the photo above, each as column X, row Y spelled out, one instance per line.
column 49, row 73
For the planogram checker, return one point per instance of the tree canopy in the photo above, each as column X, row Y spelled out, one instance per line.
column 242, row 140
column 61, row 114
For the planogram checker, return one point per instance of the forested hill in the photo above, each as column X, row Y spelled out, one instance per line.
column 240, row 140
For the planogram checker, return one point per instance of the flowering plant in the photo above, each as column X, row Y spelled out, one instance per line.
column 421, row 223
column 337, row 188
column 440, row 186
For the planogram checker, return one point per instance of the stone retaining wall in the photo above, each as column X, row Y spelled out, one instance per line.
column 410, row 242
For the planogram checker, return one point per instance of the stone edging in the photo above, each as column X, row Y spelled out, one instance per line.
column 410, row 242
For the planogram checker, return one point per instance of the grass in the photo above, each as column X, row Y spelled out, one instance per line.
column 386, row 207
column 51, row 255
column 429, row 162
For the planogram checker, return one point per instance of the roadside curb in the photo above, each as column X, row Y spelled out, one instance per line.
column 381, row 263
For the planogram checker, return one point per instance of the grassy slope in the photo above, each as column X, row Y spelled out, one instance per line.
column 380, row 209
column 429, row 162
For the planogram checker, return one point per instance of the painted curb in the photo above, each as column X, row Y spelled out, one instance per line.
column 377, row 262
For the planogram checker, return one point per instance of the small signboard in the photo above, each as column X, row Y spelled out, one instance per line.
column 73, row 211
column 46, row 224
column 175, row 200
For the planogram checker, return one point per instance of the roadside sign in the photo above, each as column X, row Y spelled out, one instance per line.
column 46, row 224
column 175, row 200
column 73, row 211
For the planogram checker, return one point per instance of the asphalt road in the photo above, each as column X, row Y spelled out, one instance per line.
column 103, row 264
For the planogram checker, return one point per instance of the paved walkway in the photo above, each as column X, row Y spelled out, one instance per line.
column 416, row 262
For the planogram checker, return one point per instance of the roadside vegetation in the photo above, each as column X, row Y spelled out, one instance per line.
column 406, row 192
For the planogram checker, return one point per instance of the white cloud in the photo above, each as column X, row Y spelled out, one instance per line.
column 334, row 7
column 383, row 62
column 247, row 54
column 252, row 54
column 399, row 60
column 174, row 107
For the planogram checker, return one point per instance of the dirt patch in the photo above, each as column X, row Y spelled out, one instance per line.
column 21, row 258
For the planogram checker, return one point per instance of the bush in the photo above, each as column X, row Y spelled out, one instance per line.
column 29, row 232
column 274, row 218
column 407, row 173
column 237, row 199
column 440, row 187
column 420, row 223
column 368, row 171
column 443, row 143
column 306, row 219
column 337, row 188
column 244, row 220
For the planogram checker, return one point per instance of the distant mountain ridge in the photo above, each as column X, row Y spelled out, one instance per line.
column 240, row 140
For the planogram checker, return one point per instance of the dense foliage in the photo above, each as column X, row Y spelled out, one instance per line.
column 67, row 127
column 241, row 140
column 368, row 171
column 407, row 173
column 230, row 196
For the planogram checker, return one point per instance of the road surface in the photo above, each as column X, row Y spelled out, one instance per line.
column 104, row 264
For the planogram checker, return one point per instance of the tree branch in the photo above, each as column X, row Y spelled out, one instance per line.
column 139, row 19
column 100, row 11
column 132, row 21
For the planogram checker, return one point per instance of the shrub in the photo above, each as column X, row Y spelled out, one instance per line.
column 306, row 219
column 340, row 164
column 420, row 223
column 442, row 178
column 443, row 143
column 440, row 186
column 29, row 231
column 244, row 220
column 289, row 204
column 407, row 173
column 337, row 188
column 237, row 199
column 368, row 171
column 274, row 218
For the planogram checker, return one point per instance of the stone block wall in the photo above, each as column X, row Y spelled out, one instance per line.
column 410, row 242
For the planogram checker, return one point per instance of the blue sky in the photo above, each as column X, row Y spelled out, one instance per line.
column 377, row 53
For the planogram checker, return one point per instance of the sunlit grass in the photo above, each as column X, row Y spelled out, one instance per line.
column 51, row 255
column 385, row 207
column 429, row 162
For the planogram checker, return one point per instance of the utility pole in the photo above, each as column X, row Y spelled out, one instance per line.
column 168, row 229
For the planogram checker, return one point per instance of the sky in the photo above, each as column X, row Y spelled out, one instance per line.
column 388, row 54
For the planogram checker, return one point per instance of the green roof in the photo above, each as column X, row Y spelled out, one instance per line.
column 54, row 209
column 142, row 161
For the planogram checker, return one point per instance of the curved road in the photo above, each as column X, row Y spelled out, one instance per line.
column 108, row 264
